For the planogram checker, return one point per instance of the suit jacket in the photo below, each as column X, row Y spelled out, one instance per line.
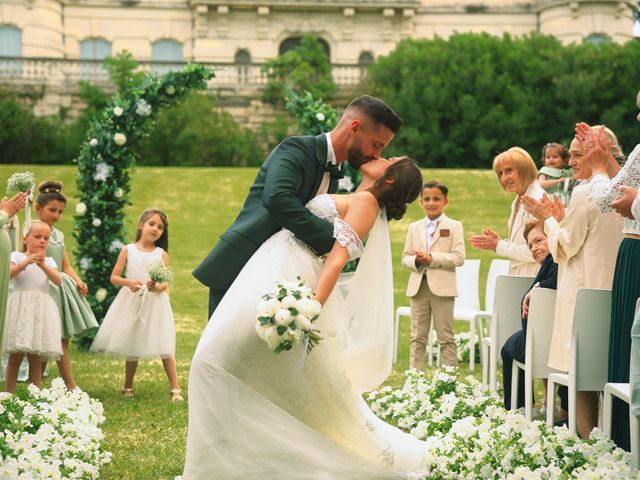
column 287, row 180
column 515, row 248
column 447, row 251
column 547, row 277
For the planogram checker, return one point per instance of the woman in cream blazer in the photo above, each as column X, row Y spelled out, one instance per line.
column 584, row 244
column 517, row 173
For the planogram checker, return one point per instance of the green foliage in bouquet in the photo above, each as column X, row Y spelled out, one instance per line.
column 104, row 164
column 160, row 273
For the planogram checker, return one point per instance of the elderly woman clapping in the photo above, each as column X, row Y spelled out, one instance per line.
column 584, row 243
column 517, row 173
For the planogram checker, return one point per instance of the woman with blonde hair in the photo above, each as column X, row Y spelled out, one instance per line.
column 517, row 173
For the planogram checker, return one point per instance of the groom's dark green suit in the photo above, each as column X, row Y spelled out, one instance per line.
column 288, row 179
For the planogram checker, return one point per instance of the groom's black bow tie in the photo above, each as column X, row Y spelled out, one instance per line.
column 334, row 171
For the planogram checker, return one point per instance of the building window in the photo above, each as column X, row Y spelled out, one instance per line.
column 243, row 63
column 292, row 42
column 10, row 41
column 166, row 55
column 597, row 39
column 93, row 51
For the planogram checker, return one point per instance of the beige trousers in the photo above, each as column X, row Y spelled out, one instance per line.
column 425, row 306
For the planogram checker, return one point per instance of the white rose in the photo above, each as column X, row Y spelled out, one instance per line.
column 81, row 208
column 320, row 116
column 101, row 294
column 93, row 142
column 96, row 222
column 118, row 193
column 305, row 306
column 283, row 317
column 170, row 89
column 118, row 111
column 303, row 323
column 271, row 337
column 305, row 291
column 268, row 308
column 288, row 301
column 317, row 307
column 120, row 139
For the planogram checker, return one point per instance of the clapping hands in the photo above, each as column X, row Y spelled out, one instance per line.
column 13, row 204
column 544, row 208
column 487, row 241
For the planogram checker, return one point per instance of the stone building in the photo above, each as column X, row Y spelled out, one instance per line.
column 59, row 41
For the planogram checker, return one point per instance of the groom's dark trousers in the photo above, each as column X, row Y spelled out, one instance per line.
column 287, row 180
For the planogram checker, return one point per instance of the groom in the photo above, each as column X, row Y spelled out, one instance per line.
column 294, row 172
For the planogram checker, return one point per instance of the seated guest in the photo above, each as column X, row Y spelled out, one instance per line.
column 547, row 276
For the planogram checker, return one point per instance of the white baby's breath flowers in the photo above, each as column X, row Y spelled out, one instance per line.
column 116, row 246
column 103, row 171
column 119, row 139
column 84, row 263
column 20, row 182
column 118, row 111
column 81, row 208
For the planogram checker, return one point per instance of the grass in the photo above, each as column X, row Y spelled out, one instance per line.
column 147, row 434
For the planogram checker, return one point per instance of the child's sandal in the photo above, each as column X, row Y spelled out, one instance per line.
column 176, row 395
column 127, row 392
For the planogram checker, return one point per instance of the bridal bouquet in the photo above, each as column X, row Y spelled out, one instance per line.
column 286, row 314
column 160, row 273
column 20, row 182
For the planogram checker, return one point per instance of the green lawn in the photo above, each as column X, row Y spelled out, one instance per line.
column 147, row 434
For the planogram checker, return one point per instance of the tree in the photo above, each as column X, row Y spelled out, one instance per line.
column 303, row 68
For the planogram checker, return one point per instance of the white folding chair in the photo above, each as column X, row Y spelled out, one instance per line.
column 505, row 321
column 497, row 267
column 542, row 305
column 405, row 311
column 623, row 392
column 588, row 353
column 467, row 303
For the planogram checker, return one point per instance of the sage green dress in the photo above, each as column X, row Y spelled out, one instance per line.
column 76, row 317
column 5, row 253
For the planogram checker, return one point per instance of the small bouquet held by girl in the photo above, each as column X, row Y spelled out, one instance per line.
column 286, row 314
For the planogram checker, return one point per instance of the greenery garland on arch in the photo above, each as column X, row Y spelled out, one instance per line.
column 104, row 164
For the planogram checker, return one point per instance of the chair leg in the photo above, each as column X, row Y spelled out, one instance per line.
column 493, row 368
column 472, row 345
column 485, row 365
column 551, row 399
column 528, row 394
column 573, row 406
column 634, row 425
column 515, row 378
column 606, row 412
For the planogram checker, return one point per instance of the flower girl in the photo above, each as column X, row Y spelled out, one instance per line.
column 139, row 322
column 76, row 316
column 32, row 322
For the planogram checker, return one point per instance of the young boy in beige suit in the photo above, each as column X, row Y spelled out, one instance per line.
column 433, row 249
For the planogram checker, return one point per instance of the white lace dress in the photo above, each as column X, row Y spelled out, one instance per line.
column 138, row 325
column 32, row 323
column 254, row 414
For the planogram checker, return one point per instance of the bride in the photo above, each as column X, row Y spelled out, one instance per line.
column 291, row 416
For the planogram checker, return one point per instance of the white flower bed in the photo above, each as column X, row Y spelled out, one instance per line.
column 470, row 435
column 51, row 434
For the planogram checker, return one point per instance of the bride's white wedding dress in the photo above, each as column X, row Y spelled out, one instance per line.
column 256, row 414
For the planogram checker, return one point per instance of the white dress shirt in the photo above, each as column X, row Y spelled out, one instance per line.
column 331, row 159
column 432, row 226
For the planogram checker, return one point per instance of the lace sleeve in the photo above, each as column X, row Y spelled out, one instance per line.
column 347, row 237
column 606, row 191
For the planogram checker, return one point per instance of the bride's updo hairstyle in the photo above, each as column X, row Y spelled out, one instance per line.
column 406, row 187
column 50, row 190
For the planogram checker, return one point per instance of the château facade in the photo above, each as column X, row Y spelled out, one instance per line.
column 57, row 41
